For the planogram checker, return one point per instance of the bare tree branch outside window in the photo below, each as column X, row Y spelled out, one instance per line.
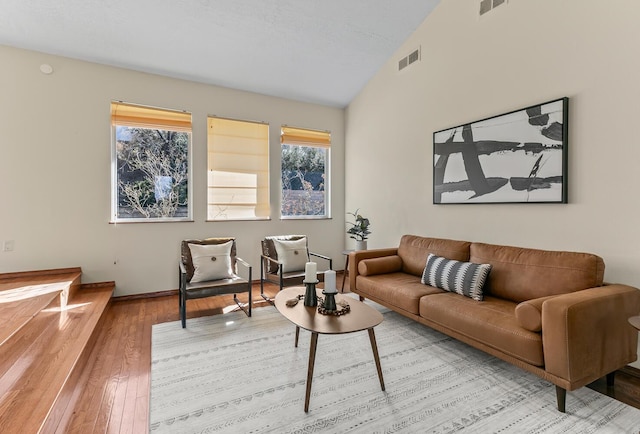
column 152, row 173
column 303, row 180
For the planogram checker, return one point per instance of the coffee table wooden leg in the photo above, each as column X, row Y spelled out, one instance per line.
column 312, row 361
column 374, row 347
column 297, row 336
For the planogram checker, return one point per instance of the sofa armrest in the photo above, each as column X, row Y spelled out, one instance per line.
column 359, row 255
column 586, row 334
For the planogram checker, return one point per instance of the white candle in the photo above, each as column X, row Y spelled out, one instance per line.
column 310, row 272
column 330, row 281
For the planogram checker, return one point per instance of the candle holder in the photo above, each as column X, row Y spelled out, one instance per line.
column 310, row 296
column 329, row 304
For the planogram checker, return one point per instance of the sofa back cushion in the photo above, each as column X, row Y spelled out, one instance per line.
column 413, row 251
column 520, row 274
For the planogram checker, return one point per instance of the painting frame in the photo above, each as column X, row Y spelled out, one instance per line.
column 515, row 157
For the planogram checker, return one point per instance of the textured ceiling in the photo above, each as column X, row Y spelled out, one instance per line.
column 321, row 51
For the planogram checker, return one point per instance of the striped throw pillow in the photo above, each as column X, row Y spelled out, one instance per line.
column 464, row 278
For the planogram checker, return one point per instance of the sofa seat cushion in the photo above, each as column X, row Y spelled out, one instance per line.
column 491, row 322
column 400, row 290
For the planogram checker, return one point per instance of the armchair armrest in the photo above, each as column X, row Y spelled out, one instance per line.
column 246, row 265
column 243, row 262
column 358, row 255
column 269, row 259
column 326, row 258
column 264, row 266
column 182, row 276
column 586, row 334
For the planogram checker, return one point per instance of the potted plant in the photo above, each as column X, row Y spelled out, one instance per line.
column 359, row 230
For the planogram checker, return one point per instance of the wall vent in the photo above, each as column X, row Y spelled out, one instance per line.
column 487, row 5
column 408, row 60
column 413, row 57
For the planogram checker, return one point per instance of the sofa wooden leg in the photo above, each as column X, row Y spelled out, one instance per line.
column 361, row 298
column 610, row 378
column 561, row 395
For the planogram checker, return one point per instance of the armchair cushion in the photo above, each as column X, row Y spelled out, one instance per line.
column 293, row 254
column 185, row 252
column 211, row 261
column 269, row 249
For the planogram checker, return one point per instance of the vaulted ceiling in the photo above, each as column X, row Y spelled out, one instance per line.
column 320, row 51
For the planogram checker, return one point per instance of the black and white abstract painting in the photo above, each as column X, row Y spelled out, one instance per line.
column 517, row 157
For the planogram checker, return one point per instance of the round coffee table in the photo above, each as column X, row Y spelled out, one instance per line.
column 361, row 317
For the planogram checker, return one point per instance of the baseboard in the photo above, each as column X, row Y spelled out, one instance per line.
column 146, row 295
column 95, row 285
column 165, row 293
column 631, row 371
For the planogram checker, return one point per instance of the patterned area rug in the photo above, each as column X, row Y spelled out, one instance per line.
column 233, row 374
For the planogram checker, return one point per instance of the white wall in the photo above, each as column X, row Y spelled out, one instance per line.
column 55, row 171
column 522, row 53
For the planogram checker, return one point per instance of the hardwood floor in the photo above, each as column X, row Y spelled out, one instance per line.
column 115, row 395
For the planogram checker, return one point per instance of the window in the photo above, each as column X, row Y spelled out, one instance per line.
column 150, row 163
column 305, row 180
column 238, row 170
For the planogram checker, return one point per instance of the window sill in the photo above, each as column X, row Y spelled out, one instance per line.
column 302, row 217
column 130, row 221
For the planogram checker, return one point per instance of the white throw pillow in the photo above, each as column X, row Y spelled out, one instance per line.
column 211, row 261
column 292, row 254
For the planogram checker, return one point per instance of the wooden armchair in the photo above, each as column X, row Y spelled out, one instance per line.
column 209, row 267
column 283, row 261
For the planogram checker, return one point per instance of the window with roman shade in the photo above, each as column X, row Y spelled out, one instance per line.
column 151, row 178
column 238, row 170
column 305, row 173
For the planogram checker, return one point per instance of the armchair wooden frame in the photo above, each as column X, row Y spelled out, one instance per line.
column 233, row 285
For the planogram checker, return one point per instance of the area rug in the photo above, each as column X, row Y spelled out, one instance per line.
column 233, row 374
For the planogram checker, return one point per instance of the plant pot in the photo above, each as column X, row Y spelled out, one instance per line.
column 361, row 245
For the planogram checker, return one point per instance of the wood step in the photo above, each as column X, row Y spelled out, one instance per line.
column 42, row 361
column 24, row 294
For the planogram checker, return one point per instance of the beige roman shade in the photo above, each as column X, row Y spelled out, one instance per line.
column 238, row 170
column 131, row 115
column 304, row 137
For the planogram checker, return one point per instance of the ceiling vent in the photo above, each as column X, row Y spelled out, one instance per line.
column 487, row 5
column 408, row 60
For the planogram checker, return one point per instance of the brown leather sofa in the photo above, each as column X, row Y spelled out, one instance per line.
column 547, row 312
